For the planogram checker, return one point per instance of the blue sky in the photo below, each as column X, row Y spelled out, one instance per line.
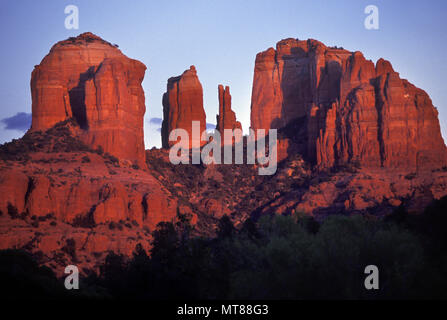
column 221, row 38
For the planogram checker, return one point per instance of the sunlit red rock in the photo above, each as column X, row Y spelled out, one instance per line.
column 113, row 204
column 333, row 107
column 90, row 80
column 158, row 207
column 182, row 104
column 226, row 119
column 13, row 189
column 354, row 111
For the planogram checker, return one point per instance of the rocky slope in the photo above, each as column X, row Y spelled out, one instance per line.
column 57, row 189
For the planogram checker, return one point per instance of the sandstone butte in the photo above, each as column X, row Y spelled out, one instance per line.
column 352, row 111
column 226, row 119
column 333, row 108
column 62, row 178
column 90, row 80
column 182, row 104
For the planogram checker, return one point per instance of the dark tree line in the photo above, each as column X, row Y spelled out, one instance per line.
column 278, row 257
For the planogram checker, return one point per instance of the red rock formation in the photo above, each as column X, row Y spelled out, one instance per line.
column 182, row 104
column 226, row 119
column 159, row 208
column 90, row 80
column 13, row 188
column 94, row 194
column 332, row 105
column 354, row 112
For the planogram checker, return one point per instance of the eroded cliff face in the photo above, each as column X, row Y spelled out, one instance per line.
column 79, row 175
column 226, row 119
column 90, row 80
column 353, row 111
column 54, row 189
column 182, row 104
column 332, row 108
column 76, row 185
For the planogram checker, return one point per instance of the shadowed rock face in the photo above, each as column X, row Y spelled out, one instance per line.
column 89, row 79
column 182, row 104
column 226, row 119
column 354, row 111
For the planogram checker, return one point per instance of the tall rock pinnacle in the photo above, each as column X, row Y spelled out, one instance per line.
column 90, row 80
column 182, row 104
column 226, row 119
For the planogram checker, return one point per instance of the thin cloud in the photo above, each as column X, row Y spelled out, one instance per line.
column 21, row 121
column 155, row 121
